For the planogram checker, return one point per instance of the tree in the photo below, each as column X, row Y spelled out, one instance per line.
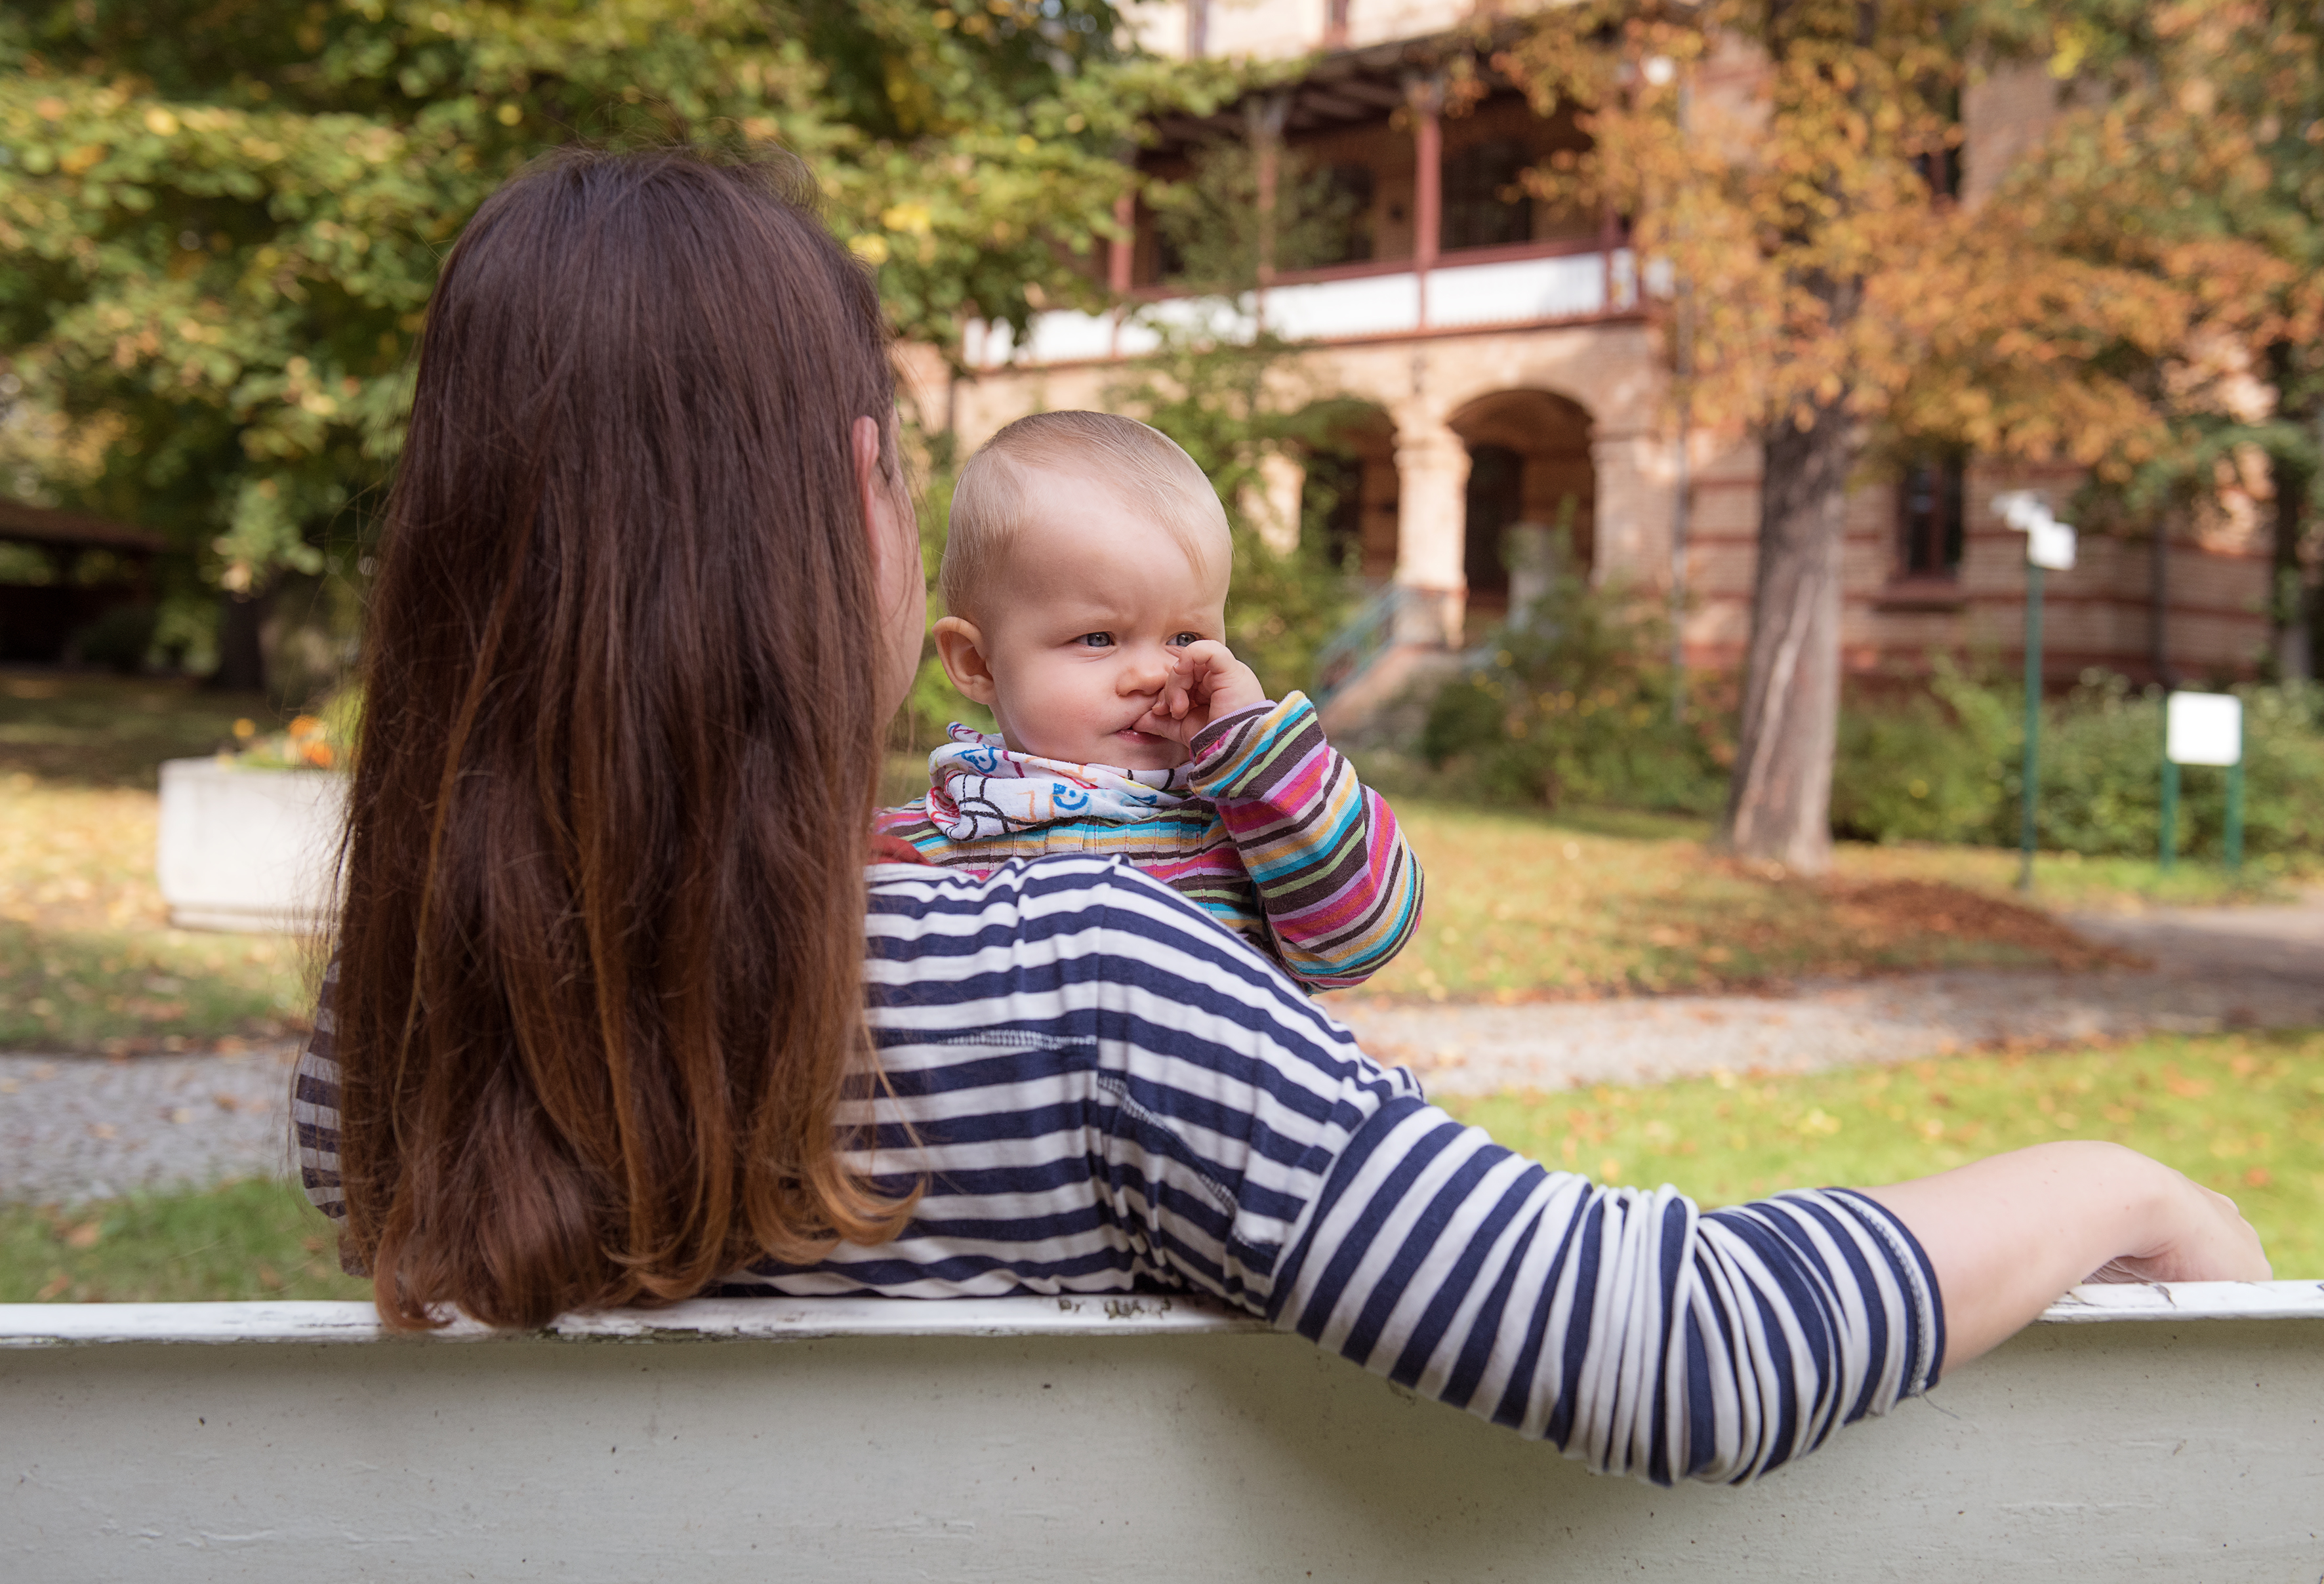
column 1837, row 293
column 2190, row 154
column 220, row 223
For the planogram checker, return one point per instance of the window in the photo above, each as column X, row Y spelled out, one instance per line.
column 1333, row 494
column 1929, row 519
column 1496, row 500
column 1485, row 204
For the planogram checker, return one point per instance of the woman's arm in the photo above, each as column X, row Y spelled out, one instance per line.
column 1340, row 887
column 2007, row 1234
column 1282, row 1171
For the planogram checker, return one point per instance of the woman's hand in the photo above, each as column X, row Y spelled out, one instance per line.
column 1206, row 684
column 2203, row 1237
column 2008, row 1234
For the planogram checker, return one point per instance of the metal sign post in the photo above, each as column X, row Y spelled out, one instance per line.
column 2049, row 546
column 2202, row 729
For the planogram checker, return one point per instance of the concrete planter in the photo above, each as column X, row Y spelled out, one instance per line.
column 248, row 850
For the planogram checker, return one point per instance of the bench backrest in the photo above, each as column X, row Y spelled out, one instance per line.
column 1032, row 1439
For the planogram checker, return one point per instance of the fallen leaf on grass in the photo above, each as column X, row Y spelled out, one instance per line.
column 85, row 1236
column 55, row 1287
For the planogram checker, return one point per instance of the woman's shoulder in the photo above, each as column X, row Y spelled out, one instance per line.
column 1092, row 953
column 1086, row 908
column 1059, row 884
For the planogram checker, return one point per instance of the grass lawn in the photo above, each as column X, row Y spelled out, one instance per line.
column 248, row 1239
column 2244, row 1113
column 2241, row 1113
column 88, row 959
column 71, row 729
column 1524, row 906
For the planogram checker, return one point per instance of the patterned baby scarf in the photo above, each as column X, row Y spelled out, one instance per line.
column 978, row 788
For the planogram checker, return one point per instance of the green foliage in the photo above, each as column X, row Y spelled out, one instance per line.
column 1947, row 769
column 1229, row 403
column 119, row 639
column 1572, row 705
column 1211, row 220
column 1926, row 767
column 933, row 704
column 218, row 227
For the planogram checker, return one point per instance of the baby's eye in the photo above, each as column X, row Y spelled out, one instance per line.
column 1181, row 639
column 1096, row 639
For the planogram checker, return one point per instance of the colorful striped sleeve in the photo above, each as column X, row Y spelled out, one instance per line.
column 1340, row 890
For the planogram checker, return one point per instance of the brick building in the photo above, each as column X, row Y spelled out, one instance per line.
column 1506, row 374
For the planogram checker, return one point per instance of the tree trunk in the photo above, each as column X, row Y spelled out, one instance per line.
column 2292, row 603
column 1779, row 794
column 242, row 653
column 2158, row 598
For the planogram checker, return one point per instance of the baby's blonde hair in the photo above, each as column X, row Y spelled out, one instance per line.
column 1146, row 467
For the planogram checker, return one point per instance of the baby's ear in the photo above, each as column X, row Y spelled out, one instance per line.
column 961, row 646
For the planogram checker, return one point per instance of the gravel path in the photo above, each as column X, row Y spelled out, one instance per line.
column 75, row 1128
column 2212, row 968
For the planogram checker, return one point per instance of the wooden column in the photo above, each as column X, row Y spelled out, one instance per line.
column 1265, row 118
column 1425, row 96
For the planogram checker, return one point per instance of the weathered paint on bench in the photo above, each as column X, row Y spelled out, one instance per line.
column 1033, row 1439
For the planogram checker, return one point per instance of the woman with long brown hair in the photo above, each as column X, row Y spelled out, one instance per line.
column 621, row 1012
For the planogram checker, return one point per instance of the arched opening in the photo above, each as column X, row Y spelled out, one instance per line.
column 1350, row 495
column 1529, row 469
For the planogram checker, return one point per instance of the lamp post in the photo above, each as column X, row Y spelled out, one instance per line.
column 2049, row 548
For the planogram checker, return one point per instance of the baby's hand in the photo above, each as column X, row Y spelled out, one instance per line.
column 1206, row 684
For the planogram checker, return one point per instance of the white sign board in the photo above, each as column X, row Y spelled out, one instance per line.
column 2203, row 728
column 2049, row 543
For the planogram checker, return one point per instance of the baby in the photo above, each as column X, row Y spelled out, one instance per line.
column 1085, row 582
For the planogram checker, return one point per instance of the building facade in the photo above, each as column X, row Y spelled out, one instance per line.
column 1499, row 367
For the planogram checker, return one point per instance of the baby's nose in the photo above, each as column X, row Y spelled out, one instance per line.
column 1145, row 671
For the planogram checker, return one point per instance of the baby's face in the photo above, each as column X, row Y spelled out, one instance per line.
column 1079, row 621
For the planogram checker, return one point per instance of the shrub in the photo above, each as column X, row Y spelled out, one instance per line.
column 1572, row 705
column 1925, row 767
column 119, row 639
column 1946, row 766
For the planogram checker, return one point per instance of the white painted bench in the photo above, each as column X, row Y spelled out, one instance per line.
column 1034, row 1440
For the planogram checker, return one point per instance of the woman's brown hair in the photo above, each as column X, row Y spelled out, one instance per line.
column 599, row 991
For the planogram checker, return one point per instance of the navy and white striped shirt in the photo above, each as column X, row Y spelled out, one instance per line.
column 1105, row 1092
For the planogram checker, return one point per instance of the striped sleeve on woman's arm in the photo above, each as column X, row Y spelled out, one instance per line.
column 1341, row 888
column 1636, row 1332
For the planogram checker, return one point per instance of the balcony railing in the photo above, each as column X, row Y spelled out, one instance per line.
column 1532, row 288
